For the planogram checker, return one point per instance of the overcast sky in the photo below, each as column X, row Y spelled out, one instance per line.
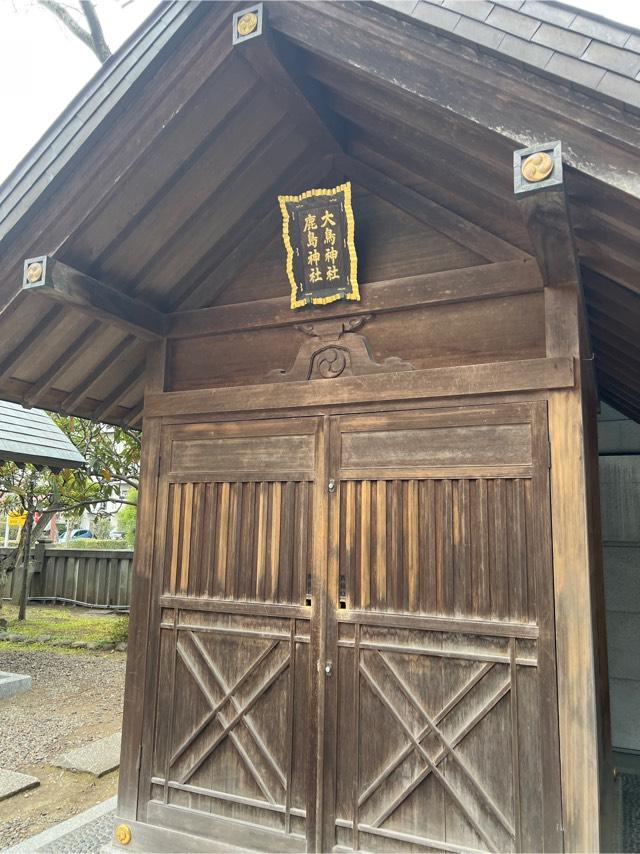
column 42, row 66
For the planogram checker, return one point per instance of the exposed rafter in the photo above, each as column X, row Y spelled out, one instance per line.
column 77, row 394
column 71, row 353
column 119, row 393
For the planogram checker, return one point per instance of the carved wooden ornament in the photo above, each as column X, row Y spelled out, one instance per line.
column 332, row 350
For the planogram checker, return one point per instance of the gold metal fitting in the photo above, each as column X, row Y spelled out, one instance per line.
column 247, row 24
column 537, row 167
column 34, row 272
column 123, row 834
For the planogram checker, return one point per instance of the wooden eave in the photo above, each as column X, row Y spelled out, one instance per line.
column 159, row 182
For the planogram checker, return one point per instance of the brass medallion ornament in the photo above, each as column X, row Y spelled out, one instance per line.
column 247, row 24
column 318, row 234
column 123, row 834
column 537, row 167
column 34, row 272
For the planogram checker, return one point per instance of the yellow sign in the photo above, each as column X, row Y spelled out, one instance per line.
column 16, row 518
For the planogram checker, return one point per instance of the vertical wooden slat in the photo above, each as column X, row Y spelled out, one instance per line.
column 275, row 516
column 517, row 567
column 246, row 557
column 430, row 597
column 531, row 546
column 220, row 574
column 285, row 568
column 208, row 546
column 301, row 563
column 261, row 545
column 482, row 579
column 499, row 578
column 197, row 533
column 383, row 526
column 185, row 547
column 365, row 544
column 173, row 544
column 395, row 575
column 411, row 543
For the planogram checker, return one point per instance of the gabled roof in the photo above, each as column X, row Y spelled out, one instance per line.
column 159, row 181
column 31, row 436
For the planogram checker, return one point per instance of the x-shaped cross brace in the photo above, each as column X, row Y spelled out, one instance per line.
column 241, row 713
column 448, row 748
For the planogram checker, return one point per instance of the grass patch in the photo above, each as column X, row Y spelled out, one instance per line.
column 61, row 622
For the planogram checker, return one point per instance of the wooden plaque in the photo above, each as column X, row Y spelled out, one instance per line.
column 318, row 233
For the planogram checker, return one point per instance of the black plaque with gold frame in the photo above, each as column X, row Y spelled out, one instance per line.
column 318, row 233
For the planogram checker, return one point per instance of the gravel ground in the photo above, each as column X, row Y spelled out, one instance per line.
column 75, row 699
column 54, row 713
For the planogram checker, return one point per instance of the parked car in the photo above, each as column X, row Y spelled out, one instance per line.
column 81, row 534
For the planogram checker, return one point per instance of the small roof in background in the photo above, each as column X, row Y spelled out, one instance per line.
column 31, row 436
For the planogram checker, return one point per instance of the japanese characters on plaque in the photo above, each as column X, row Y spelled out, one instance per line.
column 318, row 232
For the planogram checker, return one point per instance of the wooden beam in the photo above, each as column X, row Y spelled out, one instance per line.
column 466, row 233
column 71, row 354
column 487, row 378
column 303, row 100
column 471, row 283
column 71, row 401
column 73, row 288
column 585, row 759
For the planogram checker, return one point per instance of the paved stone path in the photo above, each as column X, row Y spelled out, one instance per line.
column 97, row 758
column 87, row 833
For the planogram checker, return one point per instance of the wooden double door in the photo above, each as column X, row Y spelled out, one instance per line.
column 354, row 633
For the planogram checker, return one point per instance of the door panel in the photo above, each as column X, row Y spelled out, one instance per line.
column 441, row 646
column 234, row 717
column 355, row 633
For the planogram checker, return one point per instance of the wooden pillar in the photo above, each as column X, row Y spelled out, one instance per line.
column 136, row 676
column 585, row 753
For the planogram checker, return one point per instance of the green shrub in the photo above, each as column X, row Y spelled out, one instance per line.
column 97, row 545
column 120, row 630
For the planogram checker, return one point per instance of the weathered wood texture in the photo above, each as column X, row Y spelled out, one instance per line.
column 439, row 574
column 585, row 738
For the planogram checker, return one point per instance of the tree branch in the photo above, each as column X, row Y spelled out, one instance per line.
column 99, row 46
column 93, row 38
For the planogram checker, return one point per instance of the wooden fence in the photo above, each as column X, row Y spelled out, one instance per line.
column 97, row 579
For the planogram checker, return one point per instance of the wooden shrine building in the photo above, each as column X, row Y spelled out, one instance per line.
column 368, row 608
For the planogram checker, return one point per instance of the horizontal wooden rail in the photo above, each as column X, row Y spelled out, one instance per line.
column 458, row 381
column 506, row 278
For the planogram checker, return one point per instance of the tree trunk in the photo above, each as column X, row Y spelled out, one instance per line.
column 26, row 556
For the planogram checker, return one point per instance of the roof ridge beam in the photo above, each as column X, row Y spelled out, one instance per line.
column 51, row 278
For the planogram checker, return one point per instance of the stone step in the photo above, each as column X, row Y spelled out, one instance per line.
column 12, row 783
column 97, row 758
